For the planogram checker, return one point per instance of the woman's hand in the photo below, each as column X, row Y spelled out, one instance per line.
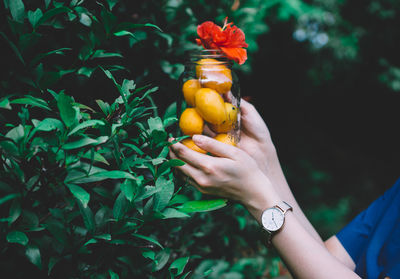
column 230, row 173
column 256, row 139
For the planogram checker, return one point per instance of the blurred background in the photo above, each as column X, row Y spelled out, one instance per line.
column 324, row 75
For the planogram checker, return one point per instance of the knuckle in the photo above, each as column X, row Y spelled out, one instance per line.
column 180, row 152
column 208, row 168
column 236, row 153
column 203, row 182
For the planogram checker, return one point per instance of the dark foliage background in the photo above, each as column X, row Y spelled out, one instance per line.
column 325, row 75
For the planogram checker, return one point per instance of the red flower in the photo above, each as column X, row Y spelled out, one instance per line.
column 229, row 39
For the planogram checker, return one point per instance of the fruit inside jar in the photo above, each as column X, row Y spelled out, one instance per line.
column 210, row 98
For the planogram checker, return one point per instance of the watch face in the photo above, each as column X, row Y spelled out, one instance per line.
column 272, row 219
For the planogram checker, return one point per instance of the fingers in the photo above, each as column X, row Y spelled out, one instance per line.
column 191, row 157
column 187, row 168
column 208, row 132
column 246, row 107
column 252, row 122
column 215, row 147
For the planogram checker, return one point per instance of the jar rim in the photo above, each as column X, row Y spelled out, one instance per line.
column 217, row 54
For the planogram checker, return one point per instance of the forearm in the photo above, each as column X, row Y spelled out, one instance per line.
column 302, row 253
column 304, row 256
column 275, row 174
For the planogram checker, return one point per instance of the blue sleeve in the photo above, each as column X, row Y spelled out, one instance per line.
column 354, row 236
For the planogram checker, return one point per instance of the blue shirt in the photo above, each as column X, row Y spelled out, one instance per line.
column 372, row 238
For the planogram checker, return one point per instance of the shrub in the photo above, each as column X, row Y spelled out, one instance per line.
column 87, row 189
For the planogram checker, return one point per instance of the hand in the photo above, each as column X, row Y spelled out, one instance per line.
column 230, row 173
column 256, row 139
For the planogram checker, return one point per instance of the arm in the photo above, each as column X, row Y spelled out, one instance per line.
column 256, row 141
column 233, row 174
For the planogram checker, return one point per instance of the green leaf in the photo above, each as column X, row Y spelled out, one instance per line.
column 162, row 198
column 68, row 113
column 202, row 206
column 35, row 16
column 161, row 259
column 83, row 125
column 134, row 147
column 5, row 103
column 52, row 262
column 53, row 12
column 17, row 237
column 32, row 101
column 127, row 86
column 50, row 124
column 147, row 191
column 105, row 236
column 17, row 133
column 32, row 252
column 155, row 124
column 124, row 33
column 56, row 228
column 17, row 10
column 86, row 71
column 85, row 19
column 40, row 56
column 128, row 187
column 109, row 20
column 47, row 125
column 112, row 3
column 179, row 264
column 79, row 193
column 8, row 198
column 85, row 141
column 88, row 217
column 130, row 25
column 150, row 239
column 169, row 164
column 97, row 157
column 148, row 254
column 170, row 212
column 14, row 48
column 100, row 53
column 113, row 275
column 114, row 174
column 120, row 206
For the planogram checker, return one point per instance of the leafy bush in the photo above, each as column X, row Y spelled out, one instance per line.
column 87, row 189
column 87, row 105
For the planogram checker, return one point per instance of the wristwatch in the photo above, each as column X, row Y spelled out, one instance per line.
column 273, row 218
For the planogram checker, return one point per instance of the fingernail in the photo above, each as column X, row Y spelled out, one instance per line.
column 198, row 139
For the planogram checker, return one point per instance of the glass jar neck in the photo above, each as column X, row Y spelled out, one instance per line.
column 209, row 57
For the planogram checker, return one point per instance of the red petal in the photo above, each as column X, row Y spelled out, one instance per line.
column 239, row 55
column 235, row 37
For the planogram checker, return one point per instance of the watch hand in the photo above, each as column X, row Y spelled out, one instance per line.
column 273, row 219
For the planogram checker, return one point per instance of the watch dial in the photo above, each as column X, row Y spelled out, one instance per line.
column 272, row 219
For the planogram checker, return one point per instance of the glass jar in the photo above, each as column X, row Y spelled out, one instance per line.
column 209, row 100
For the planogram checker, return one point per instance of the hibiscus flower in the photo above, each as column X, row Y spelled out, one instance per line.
column 229, row 39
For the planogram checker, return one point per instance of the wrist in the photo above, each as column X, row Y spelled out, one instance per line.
column 263, row 196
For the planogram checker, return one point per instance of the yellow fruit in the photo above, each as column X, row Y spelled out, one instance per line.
column 190, row 144
column 191, row 122
column 214, row 74
column 189, row 88
column 220, row 80
column 226, row 138
column 207, row 63
column 230, row 122
column 210, row 106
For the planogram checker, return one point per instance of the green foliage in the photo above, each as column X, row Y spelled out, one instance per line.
column 87, row 104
